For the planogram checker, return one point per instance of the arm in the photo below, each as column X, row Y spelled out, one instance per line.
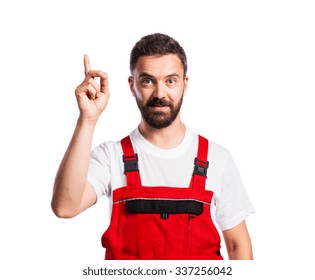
column 238, row 242
column 72, row 192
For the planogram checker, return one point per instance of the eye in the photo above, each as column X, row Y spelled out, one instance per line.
column 171, row 81
column 147, row 81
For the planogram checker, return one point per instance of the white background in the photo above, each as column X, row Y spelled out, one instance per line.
column 251, row 66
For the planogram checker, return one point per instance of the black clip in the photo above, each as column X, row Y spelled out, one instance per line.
column 164, row 216
column 130, row 163
column 201, row 167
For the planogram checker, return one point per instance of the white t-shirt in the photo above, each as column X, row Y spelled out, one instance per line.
column 174, row 168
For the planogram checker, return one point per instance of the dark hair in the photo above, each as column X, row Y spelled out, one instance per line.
column 157, row 44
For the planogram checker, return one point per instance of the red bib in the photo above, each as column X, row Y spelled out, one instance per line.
column 162, row 223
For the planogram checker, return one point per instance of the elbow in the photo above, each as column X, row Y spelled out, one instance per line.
column 240, row 252
column 62, row 212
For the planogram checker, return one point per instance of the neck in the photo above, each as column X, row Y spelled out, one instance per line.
column 165, row 138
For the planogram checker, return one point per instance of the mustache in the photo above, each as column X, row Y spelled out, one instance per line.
column 157, row 102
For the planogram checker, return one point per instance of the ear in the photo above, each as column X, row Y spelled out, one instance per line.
column 131, row 85
column 185, row 84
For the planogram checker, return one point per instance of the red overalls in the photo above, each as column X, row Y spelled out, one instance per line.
column 162, row 222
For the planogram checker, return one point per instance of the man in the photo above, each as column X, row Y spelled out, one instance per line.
column 160, row 179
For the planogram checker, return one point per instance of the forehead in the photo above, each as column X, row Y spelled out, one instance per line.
column 159, row 65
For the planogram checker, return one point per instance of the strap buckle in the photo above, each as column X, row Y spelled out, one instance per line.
column 201, row 167
column 130, row 163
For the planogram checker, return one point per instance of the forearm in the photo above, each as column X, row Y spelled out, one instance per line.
column 72, row 174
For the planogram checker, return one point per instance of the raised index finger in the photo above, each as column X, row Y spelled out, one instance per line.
column 87, row 65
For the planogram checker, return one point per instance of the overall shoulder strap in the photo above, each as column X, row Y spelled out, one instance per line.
column 130, row 160
column 201, row 165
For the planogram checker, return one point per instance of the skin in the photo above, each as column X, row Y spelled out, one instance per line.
column 154, row 76
column 161, row 77
column 72, row 192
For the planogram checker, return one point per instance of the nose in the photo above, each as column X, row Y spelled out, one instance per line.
column 159, row 91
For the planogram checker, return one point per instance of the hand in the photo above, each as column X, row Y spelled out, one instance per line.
column 91, row 97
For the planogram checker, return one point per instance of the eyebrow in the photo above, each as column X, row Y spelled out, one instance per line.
column 144, row 74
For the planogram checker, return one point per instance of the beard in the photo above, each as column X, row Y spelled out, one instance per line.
column 159, row 119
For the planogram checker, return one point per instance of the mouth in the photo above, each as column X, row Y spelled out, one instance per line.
column 159, row 107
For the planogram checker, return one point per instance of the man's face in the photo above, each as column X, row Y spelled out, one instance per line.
column 158, row 84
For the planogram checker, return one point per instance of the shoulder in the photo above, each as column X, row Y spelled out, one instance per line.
column 106, row 150
column 110, row 148
column 217, row 152
column 218, row 156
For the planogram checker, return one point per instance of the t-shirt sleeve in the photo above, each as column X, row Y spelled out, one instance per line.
column 99, row 170
column 234, row 204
